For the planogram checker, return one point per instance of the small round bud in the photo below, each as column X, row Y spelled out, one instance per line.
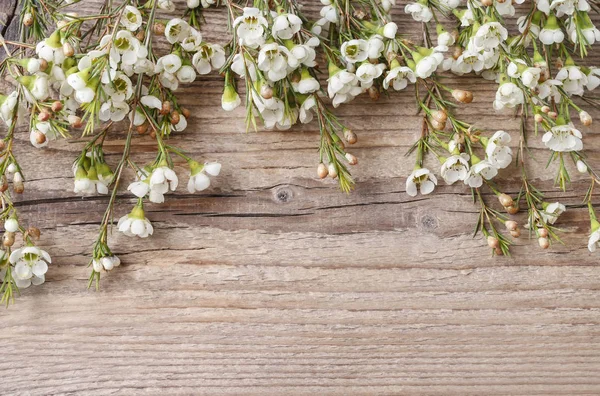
column 61, row 24
column 3, row 183
column 18, row 186
column 75, row 121
column 350, row 136
column 34, row 232
column 493, row 242
column 8, row 239
column 553, row 115
column 542, row 233
column 186, row 112
column 159, row 28
column 487, row 3
column 141, row 129
column 39, row 137
column 462, row 96
column 352, row 160
column 585, row 118
column 373, row 93
column 498, row 251
column 439, row 115
column 332, row 171
column 175, row 117
column 153, row 134
column 438, row 125
column 28, row 19
column 322, row 171
column 43, row 116
column 538, row 118
column 581, row 166
column 513, row 209
column 57, row 106
column 141, row 35
column 501, row 1
column 43, row 64
column 11, row 225
column 505, row 200
column 266, row 92
column 544, row 243
column 511, row 225
column 166, row 107
column 516, row 233
column 68, row 49
column 457, row 52
column 545, row 109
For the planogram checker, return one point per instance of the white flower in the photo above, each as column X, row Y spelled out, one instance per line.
column 135, row 223
column 573, row 79
column 419, row 12
column 230, row 99
column 199, row 181
column 481, row 170
column 209, row 56
column 193, row 3
column 468, row 61
column 305, row 53
column 367, row 72
column 114, row 111
column 389, row 30
column 563, row 138
column 508, row 95
column 177, row 30
column 273, row 59
column 551, row 36
column 427, row 65
column 193, row 41
column 444, row 40
column 271, row 110
column 285, row 26
column 105, row 263
column 162, row 179
column 45, row 129
column 51, row 49
column 240, row 64
column 568, row 7
column 251, row 27
column 355, row 50
column 31, row 265
column 186, row 74
column 594, row 240
column 375, row 47
column 169, row 63
column 581, row 167
column 11, row 225
column 497, row 150
column 423, row 179
column 132, row 18
column 399, row 76
column 329, row 13
column 531, row 76
column 125, row 48
column 8, row 106
column 551, row 211
column 591, row 34
column 306, row 115
column 166, row 5
column 452, row 4
column 342, row 87
column 307, row 83
column 504, row 8
column 490, row 35
column 455, row 168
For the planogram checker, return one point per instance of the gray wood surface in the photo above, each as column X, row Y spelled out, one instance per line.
column 275, row 283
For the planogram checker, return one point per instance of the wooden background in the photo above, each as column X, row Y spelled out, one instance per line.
column 273, row 282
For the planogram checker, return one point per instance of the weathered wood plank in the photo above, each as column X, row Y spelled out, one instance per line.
column 273, row 282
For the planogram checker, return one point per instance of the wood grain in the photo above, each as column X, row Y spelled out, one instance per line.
column 275, row 283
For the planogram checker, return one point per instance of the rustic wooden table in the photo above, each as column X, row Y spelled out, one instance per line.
column 273, row 282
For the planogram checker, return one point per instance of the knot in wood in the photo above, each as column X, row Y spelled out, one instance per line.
column 283, row 195
column 429, row 222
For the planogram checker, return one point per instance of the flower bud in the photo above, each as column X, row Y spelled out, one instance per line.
column 501, row 1
column 487, row 3
column 493, row 242
column 28, row 19
column 3, row 183
column 186, row 113
column 39, row 137
column 462, row 96
column 538, row 118
column 43, row 116
column 553, row 115
column 332, row 171
column 581, row 166
column 511, row 225
column 373, row 93
column 34, row 232
column 498, row 251
column 8, row 239
column 159, row 28
column 266, row 91
column 544, row 243
column 75, row 121
column 350, row 136
column 352, row 160
column 438, row 125
column 61, row 24
column 18, row 185
column 43, row 64
column 68, row 50
column 57, row 106
column 542, row 232
column 439, row 115
column 516, row 233
column 141, row 35
column 457, row 52
column 505, row 200
column 166, row 107
column 513, row 209
column 322, row 171
column 545, row 109
column 141, row 129
column 175, row 117
column 11, row 224
column 585, row 118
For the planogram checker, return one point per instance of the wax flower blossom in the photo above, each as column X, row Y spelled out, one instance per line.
column 563, row 138
column 422, row 180
column 30, row 266
column 135, row 223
